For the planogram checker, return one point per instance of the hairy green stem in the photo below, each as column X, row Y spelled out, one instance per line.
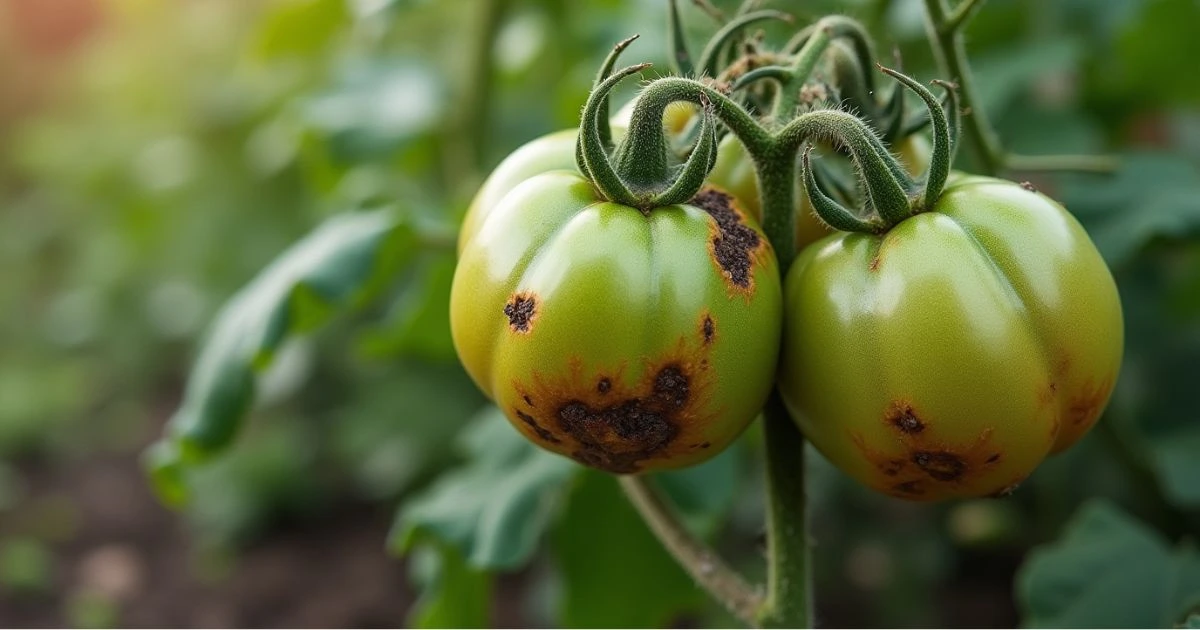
column 466, row 144
column 945, row 33
column 789, row 570
column 705, row 566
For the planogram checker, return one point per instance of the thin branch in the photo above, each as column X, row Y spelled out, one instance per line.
column 961, row 14
column 701, row 562
column 1098, row 164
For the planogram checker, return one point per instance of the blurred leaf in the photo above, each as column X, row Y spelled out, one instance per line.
column 1001, row 78
column 338, row 266
column 375, row 106
column 1153, row 195
column 494, row 508
column 1158, row 52
column 1108, row 571
column 1193, row 621
column 420, row 320
column 1175, row 461
column 616, row 574
column 301, row 27
column 26, row 565
column 89, row 609
column 453, row 595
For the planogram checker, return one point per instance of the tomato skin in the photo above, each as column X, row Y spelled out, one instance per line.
column 947, row 357
column 615, row 337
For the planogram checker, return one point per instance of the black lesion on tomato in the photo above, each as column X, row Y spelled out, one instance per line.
column 905, row 419
column 734, row 243
column 604, row 385
column 538, row 429
column 707, row 329
column 520, row 310
column 618, row 437
column 909, row 488
column 941, row 465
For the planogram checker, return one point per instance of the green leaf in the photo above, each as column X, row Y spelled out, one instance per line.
column 1175, row 462
column 616, row 574
column 495, row 508
column 1152, row 196
column 453, row 595
column 341, row 264
column 420, row 320
column 1108, row 571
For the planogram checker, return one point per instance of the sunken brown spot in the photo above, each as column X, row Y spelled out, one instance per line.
column 994, row 458
column 874, row 264
column 527, row 399
column 521, row 310
column 707, row 329
column 904, row 418
column 911, row 488
column 941, row 465
column 1086, row 407
column 537, row 428
column 1028, row 186
column 604, row 385
column 734, row 244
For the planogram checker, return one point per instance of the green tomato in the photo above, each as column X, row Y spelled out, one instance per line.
column 630, row 341
column 949, row 356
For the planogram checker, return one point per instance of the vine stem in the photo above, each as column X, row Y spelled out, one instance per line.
column 945, row 32
column 705, row 566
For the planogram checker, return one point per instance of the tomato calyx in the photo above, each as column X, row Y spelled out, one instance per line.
column 638, row 171
column 891, row 194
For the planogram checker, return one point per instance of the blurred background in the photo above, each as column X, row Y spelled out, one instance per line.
column 154, row 156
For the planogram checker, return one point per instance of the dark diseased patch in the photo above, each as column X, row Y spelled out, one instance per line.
column 616, row 437
column 707, row 328
column 903, row 417
column 520, row 310
column 941, row 465
column 735, row 243
column 892, row 467
column 537, row 428
column 603, row 385
column 995, row 457
column 527, row 399
column 1029, row 186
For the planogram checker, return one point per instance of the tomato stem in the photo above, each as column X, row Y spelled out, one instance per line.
column 705, row 566
column 789, row 568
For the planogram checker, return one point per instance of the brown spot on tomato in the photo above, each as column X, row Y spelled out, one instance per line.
column 909, row 488
column 538, row 429
column 521, row 310
column 734, row 246
column 707, row 329
column 995, row 457
column 527, row 399
column 941, row 465
column 874, row 264
column 1086, row 406
column 902, row 416
column 606, row 420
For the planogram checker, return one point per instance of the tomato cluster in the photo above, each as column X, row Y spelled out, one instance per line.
column 943, row 355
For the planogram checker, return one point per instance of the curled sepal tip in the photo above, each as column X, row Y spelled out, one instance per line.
column 698, row 165
column 834, row 214
column 945, row 124
column 603, row 126
column 590, row 149
column 712, row 51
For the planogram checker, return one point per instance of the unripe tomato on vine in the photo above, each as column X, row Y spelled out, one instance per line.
column 949, row 344
column 630, row 331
